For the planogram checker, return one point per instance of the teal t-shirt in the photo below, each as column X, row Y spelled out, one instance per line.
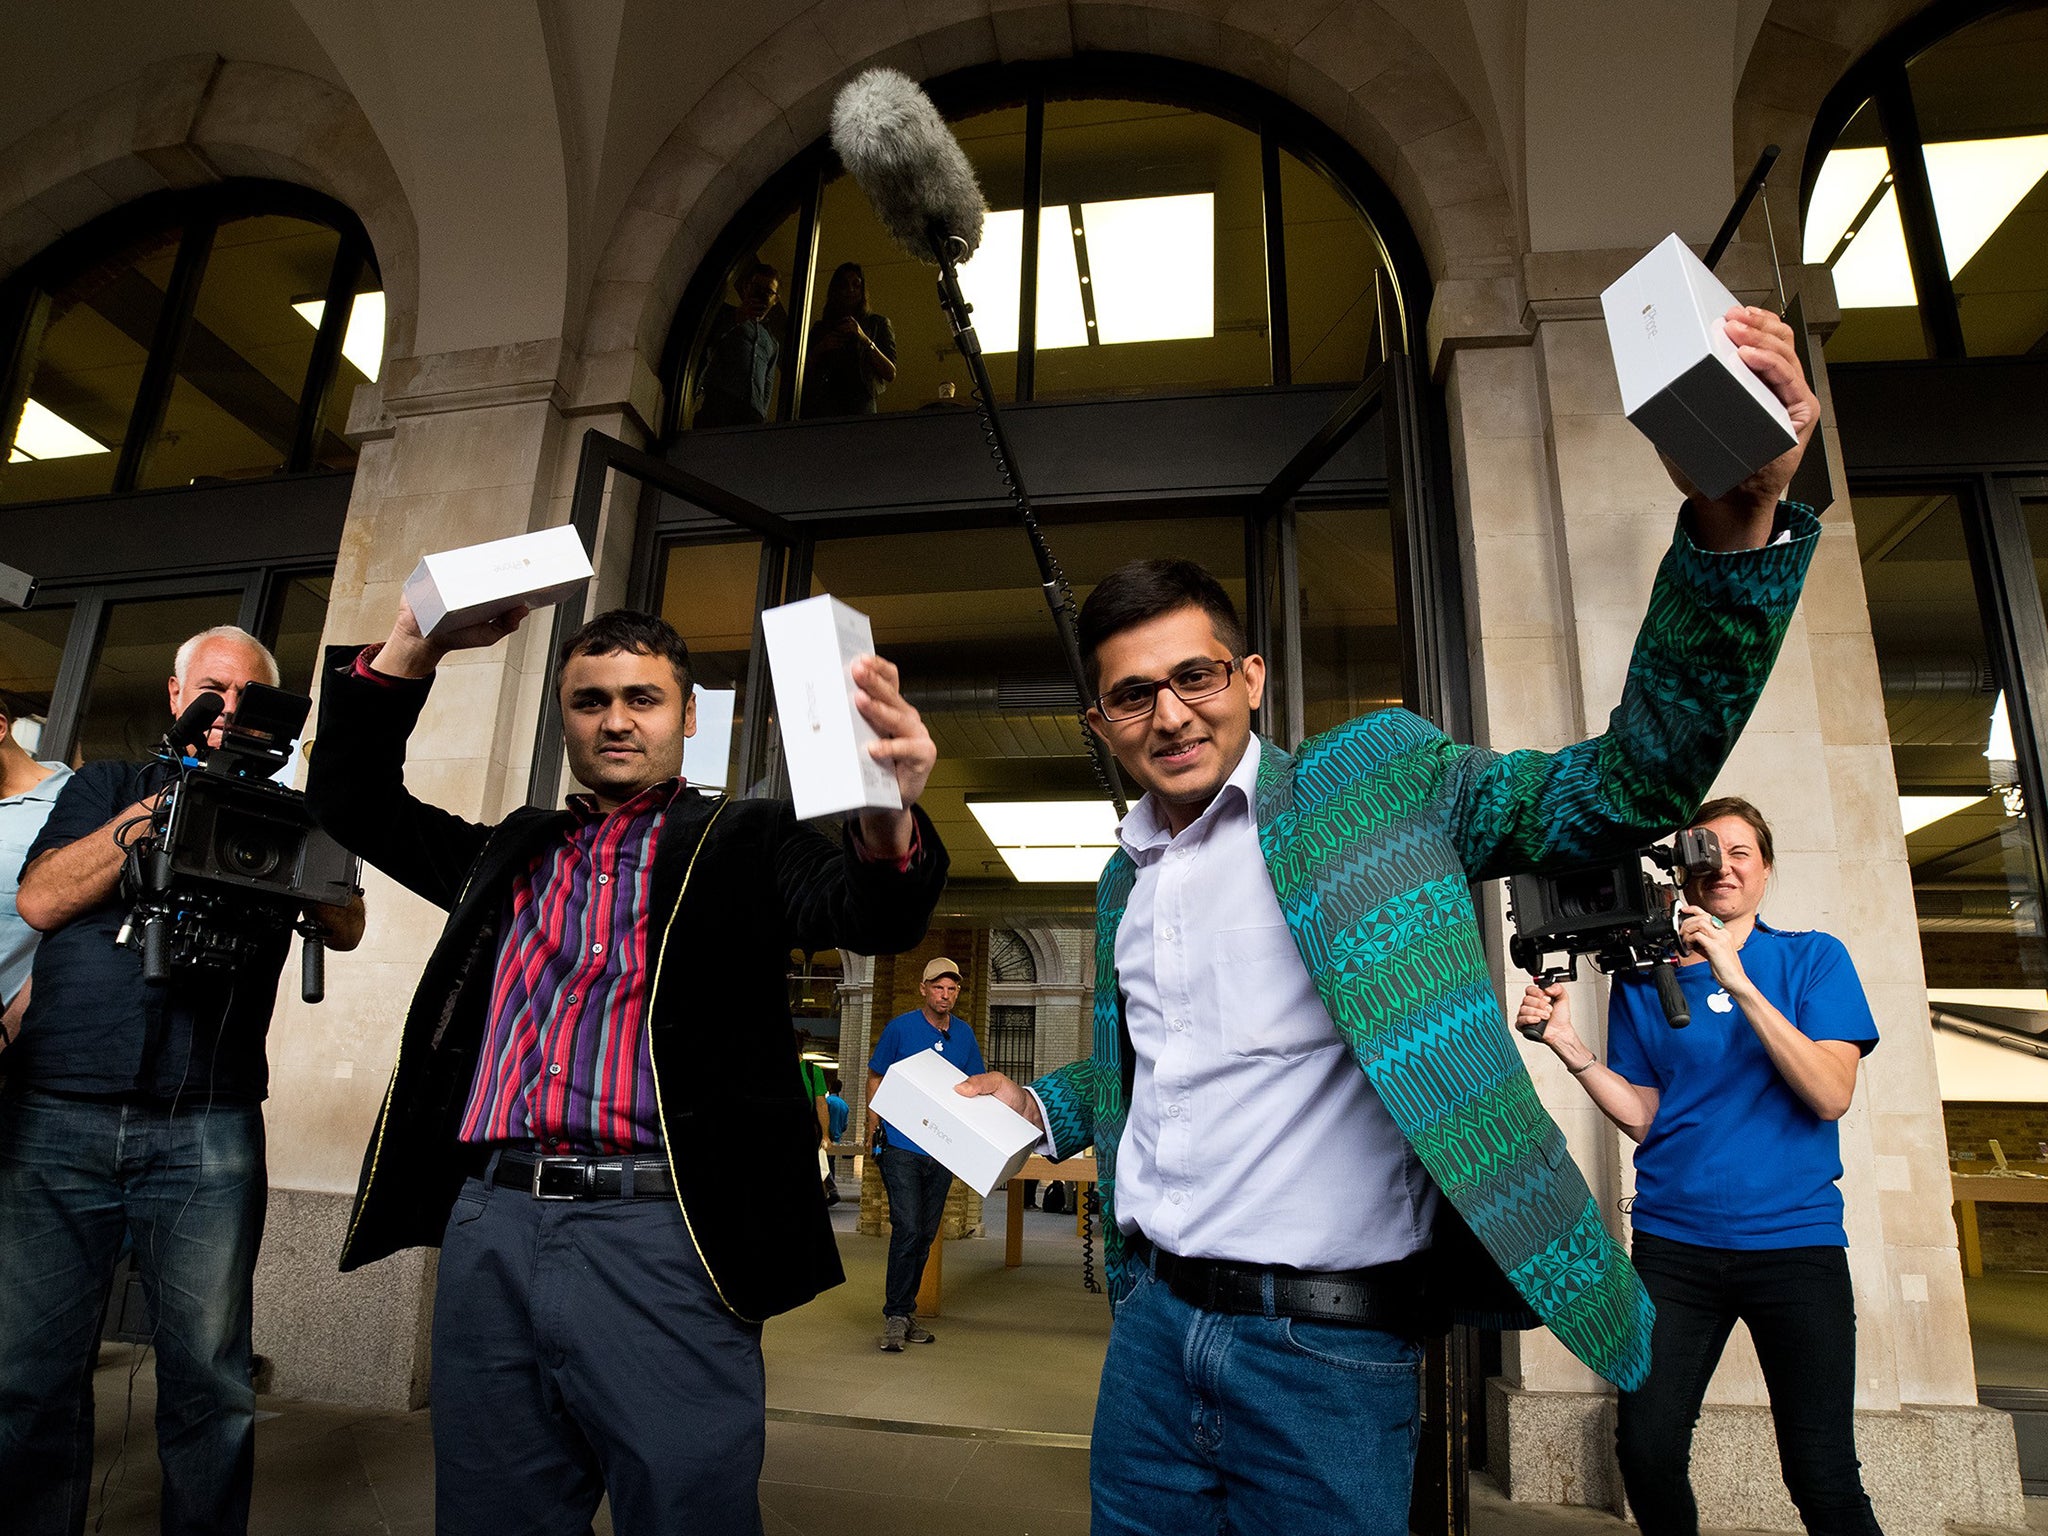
column 1735, row 1159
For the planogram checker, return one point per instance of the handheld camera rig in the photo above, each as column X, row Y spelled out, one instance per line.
column 1618, row 912
column 229, row 858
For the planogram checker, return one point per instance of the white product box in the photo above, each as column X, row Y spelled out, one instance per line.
column 811, row 649
column 982, row 1140
column 1682, row 381
column 481, row 581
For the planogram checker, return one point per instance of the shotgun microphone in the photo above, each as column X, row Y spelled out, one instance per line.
column 892, row 140
column 191, row 727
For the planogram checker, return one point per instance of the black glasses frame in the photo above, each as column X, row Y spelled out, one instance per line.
column 1230, row 665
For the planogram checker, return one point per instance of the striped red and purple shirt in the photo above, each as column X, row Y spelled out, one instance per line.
column 565, row 1061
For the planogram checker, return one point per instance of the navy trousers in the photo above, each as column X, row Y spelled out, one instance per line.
column 580, row 1349
column 917, row 1187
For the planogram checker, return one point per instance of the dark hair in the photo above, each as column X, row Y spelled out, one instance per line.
column 753, row 269
column 17, row 706
column 1144, row 590
column 840, row 271
column 1741, row 810
column 622, row 629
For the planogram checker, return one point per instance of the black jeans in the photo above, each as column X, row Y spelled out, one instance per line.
column 917, row 1187
column 1802, row 1317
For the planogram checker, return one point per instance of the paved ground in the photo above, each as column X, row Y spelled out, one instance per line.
column 983, row 1433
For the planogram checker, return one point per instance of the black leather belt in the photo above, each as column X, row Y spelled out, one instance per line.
column 1387, row 1296
column 547, row 1176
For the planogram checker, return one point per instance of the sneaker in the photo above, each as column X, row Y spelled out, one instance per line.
column 898, row 1329
column 916, row 1332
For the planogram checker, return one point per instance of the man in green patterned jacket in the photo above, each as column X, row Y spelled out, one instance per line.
column 1315, row 1137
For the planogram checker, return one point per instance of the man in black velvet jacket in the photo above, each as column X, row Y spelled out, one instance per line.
column 595, row 1109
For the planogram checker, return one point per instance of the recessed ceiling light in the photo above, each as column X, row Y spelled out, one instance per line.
column 363, row 343
column 44, row 434
column 1050, row 841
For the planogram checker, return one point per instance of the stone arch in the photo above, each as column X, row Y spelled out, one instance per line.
column 1357, row 69
column 1799, row 53
column 199, row 119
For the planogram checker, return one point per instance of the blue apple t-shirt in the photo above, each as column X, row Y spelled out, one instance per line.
column 1735, row 1158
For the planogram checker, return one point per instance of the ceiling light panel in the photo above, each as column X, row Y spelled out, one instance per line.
column 1917, row 811
column 1046, row 823
column 1976, row 185
column 44, row 434
column 363, row 343
column 1056, row 866
column 1151, row 260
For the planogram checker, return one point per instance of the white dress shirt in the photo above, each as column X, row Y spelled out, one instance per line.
column 1253, row 1135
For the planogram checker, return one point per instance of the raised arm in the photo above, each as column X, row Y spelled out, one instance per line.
column 356, row 782
column 1718, row 612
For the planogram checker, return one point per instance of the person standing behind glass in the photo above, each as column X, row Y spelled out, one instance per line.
column 852, row 355
column 1737, row 1213
column 737, row 377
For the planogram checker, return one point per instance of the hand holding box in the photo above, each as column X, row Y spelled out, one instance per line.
column 812, row 646
column 459, row 587
column 1683, row 383
column 981, row 1140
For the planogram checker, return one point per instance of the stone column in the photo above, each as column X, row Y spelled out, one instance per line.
column 455, row 449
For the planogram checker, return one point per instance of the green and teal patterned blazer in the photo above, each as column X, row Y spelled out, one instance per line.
column 1373, row 833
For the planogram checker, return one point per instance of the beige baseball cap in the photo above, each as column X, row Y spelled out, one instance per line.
column 942, row 967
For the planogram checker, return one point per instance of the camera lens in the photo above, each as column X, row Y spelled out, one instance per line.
column 1591, row 895
column 250, row 852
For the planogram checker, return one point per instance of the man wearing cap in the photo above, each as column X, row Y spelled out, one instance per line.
column 917, row 1183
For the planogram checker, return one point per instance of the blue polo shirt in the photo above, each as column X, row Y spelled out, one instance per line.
column 909, row 1033
column 1735, row 1159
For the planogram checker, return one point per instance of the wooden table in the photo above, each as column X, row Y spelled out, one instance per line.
column 1075, row 1170
column 1974, row 1189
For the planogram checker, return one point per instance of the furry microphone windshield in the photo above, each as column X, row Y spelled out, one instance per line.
column 892, row 139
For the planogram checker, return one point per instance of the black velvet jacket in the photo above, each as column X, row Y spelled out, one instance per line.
column 736, row 885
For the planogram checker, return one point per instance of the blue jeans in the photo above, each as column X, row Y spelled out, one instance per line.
column 917, row 1187
column 1802, row 1319
column 1209, row 1421
column 189, row 1190
column 580, row 1350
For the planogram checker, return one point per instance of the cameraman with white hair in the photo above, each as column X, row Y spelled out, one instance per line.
column 133, row 1108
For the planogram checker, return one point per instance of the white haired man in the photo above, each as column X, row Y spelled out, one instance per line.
column 133, row 1108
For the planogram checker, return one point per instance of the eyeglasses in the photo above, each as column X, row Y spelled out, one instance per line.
column 1197, row 680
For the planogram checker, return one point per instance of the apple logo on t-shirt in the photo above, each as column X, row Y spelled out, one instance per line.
column 1721, row 1002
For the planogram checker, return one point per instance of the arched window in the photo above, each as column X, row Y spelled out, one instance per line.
column 187, row 338
column 176, row 376
column 1152, row 230
column 1925, row 190
column 1009, row 957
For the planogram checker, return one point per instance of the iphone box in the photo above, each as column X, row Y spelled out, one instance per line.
column 811, row 649
column 480, row 581
column 1682, row 382
column 983, row 1141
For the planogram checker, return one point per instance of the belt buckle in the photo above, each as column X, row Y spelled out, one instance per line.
column 570, row 1165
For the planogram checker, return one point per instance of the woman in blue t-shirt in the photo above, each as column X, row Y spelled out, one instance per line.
column 1736, row 1212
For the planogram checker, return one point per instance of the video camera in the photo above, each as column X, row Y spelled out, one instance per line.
column 1617, row 912
column 232, row 858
